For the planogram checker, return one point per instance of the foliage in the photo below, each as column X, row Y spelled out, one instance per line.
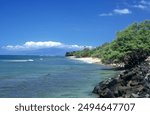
column 136, row 37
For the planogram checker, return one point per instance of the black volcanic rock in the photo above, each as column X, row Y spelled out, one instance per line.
column 131, row 83
column 135, row 57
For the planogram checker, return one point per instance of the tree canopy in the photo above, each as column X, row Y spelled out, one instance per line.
column 134, row 38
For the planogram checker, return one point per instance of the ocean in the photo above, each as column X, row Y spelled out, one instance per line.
column 49, row 77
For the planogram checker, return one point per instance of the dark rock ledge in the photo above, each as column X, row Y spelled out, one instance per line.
column 130, row 83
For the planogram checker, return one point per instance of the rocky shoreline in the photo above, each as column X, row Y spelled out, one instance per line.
column 130, row 83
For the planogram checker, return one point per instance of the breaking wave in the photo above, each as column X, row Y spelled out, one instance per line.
column 21, row 60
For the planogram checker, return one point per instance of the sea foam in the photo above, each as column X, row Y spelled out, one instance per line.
column 28, row 60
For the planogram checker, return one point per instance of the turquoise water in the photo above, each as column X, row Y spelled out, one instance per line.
column 45, row 76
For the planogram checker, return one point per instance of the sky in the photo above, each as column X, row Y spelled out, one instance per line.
column 65, row 24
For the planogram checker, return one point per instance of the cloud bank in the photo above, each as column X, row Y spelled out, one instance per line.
column 31, row 45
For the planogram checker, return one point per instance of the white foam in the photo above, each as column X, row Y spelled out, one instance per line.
column 28, row 60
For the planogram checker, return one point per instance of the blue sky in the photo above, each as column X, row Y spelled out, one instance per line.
column 36, row 24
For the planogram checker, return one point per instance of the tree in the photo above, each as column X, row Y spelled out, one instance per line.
column 128, row 43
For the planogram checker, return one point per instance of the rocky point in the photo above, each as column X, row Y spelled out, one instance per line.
column 130, row 83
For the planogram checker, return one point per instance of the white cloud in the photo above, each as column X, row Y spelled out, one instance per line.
column 140, row 6
column 106, row 14
column 31, row 45
column 117, row 11
column 122, row 11
column 45, row 44
column 143, row 4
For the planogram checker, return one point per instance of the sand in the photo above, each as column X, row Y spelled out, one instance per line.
column 90, row 60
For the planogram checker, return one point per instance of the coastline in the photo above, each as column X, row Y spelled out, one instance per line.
column 94, row 60
column 129, row 83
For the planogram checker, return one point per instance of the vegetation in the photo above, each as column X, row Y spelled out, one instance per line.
column 134, row 39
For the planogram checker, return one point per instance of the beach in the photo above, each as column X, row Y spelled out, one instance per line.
column 93, row 60
column 89, row 60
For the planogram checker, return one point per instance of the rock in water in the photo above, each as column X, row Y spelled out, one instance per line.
column 131, row 83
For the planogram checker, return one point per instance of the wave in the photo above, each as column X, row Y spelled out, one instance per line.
column 28, row 60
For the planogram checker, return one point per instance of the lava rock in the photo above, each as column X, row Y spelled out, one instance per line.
column 131, row 83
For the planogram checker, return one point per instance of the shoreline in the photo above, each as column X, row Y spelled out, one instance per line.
column 129, row 83
column 89, row 60
column 94, row 60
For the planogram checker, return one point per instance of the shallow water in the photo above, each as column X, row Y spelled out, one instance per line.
column 45, row 76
